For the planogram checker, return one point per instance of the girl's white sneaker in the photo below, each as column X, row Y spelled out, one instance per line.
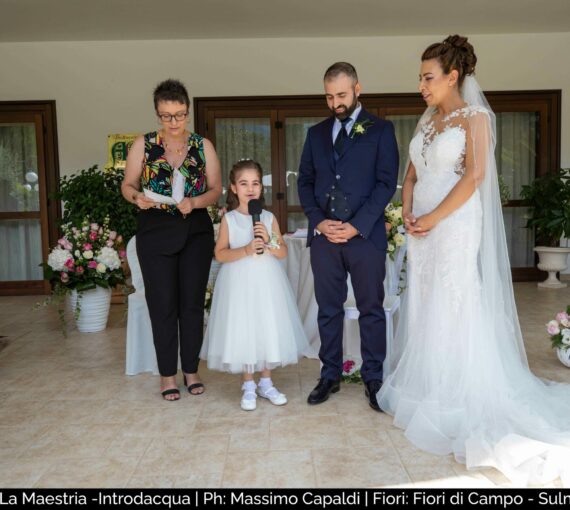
column 249, row 397
column 272, row 394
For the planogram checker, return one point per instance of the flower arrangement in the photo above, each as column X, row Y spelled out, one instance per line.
column 209, row 298
column 350, row 372
column 216, row 213
column 84, row 258
column 559, row 330
column 395, row 230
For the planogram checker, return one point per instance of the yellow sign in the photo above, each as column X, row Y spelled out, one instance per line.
column 118, row 148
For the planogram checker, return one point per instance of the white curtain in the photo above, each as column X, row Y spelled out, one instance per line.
column 240, row 138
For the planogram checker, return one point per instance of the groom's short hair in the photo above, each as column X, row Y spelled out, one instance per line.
column 341, row 68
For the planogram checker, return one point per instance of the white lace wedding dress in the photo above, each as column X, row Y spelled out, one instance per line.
column 460, row 384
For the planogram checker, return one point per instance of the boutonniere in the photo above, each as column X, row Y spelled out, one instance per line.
column 360, row 128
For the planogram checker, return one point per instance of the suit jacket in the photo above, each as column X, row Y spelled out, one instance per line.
column 366, row 171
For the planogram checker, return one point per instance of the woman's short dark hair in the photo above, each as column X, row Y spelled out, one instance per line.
column 232, row 200
column 171, row 90
column 453, row 53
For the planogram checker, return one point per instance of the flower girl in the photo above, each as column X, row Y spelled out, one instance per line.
column 254, row 323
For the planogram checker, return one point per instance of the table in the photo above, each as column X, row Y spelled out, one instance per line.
column 297, row 264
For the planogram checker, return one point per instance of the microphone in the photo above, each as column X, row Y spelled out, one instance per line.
column 254, row 209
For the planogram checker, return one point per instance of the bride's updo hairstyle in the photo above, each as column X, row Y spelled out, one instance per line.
column 453, row 53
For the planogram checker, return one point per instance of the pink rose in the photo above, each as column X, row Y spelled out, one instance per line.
column 64, row 277
column 109, row 243
column 92, row 264
column 69, row 263
column 92, row 236
column 553, row 328
column 87, row 246
column 112, row 235
column 79, row 269
column 561, row 316
column 61, row 241
column 67, row 245
column 122, row 254
column 347, row 366
column 94, row 227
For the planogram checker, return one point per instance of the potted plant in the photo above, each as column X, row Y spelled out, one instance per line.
column 559, row 331
column 96, row 195
column 85, row 265
column 548, row 199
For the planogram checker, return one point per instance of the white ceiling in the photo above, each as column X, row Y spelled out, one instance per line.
column 100, row 20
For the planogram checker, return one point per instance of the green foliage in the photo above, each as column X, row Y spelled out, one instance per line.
column 548, row 199
column 504, row 190
column 94, row 194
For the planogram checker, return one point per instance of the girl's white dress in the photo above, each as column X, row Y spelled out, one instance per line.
column 254, row 322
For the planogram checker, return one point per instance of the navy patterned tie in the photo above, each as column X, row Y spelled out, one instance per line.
column 341, row 137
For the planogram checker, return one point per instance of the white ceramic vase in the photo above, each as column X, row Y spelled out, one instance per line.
column 552, row 260
column 93, row 309
column 564, row 356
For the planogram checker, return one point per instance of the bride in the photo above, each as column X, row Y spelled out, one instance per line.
column 459, row 381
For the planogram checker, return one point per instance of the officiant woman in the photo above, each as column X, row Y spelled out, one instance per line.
column 175, row 238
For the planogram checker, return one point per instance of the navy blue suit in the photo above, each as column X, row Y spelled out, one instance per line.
column 366, row 171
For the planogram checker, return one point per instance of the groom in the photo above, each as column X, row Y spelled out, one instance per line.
column 347, row 175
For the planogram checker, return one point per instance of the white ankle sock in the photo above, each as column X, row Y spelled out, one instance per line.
column 265, row 382
column 249, row 390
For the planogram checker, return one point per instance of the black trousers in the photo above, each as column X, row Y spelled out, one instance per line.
column 175, row 254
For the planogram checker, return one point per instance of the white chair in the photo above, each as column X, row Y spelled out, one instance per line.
column 141, row 356
column 351, row 341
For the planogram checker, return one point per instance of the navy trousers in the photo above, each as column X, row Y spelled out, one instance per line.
column 366, row 264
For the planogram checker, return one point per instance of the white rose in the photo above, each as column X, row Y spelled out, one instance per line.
column 399, row 239
column 57, row 259
column 101, row 268
column 77, row 253
column 88, row 254
column 565, row 323
column 391, row 247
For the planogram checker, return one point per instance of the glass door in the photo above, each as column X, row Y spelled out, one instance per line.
column 293, row 125
column 23, row 203
column 245, row 135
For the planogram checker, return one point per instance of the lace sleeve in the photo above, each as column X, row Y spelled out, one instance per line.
column 479, row 142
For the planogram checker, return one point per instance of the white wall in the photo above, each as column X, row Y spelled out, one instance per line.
column 106, row 87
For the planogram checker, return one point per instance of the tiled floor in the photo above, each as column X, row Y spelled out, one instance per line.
column 70, row 418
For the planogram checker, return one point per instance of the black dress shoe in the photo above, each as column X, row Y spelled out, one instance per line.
column 370, row 390
column 323, row 390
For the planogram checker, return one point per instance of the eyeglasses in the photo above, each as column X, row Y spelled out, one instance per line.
column 167, row 117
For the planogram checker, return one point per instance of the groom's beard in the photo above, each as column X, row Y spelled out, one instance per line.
column 345, row 111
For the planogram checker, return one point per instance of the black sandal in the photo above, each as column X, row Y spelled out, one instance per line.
column 171, row 391
column 194, row 387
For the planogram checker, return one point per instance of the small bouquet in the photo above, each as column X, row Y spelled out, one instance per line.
column 350, row 372
column 559, row 330
column 273, row 243
column 395, row 230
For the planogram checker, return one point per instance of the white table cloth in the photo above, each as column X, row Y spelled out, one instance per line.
column 298, row 267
